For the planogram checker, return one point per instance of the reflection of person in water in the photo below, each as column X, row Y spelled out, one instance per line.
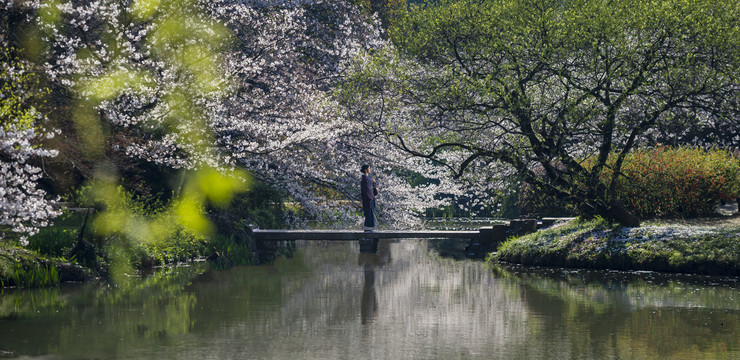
column 370, row 262
column 369, row 301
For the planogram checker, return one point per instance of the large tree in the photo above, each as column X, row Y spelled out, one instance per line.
column 481, row 86
column 264, row 103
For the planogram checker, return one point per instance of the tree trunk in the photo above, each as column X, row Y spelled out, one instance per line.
column 618, row 213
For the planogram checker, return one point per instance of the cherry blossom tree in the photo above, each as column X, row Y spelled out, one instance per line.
column 24, row 207
column 94, row 52
column 283, row 124
column 265, row 103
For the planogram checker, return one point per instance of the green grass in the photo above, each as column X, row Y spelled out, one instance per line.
column 53, row 241
column 35, row 275
column 25, row 268
column 180, row 247
column 702, row 249
column 230, row 252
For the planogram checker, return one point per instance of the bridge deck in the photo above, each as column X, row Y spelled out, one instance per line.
column 344, row 235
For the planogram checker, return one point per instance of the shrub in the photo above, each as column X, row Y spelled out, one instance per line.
column 57, row 240
column 262, row 206
column 677, row 182
column 663, row 182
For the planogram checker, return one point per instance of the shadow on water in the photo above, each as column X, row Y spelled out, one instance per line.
column 449, row 248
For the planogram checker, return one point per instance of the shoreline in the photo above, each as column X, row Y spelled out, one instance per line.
column 709, row 246
column 22, row 268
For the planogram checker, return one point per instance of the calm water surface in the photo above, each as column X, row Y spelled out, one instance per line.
column 405, row 302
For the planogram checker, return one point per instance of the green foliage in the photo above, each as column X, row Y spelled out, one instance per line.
column 21, row 91
column 528, row 25
column 59, row 239
column 35, row 275
column 231, row 252
column 677, row 182
column 23, row 268
column 54, row 241
column 180, row 247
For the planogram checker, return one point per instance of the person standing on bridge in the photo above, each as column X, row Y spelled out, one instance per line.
column 368, row 192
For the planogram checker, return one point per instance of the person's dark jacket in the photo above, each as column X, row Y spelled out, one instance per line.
column 367, row 190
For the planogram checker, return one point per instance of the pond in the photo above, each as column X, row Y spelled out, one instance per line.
column 329, row 301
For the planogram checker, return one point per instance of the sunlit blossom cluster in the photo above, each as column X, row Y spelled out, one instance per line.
column 24, row 206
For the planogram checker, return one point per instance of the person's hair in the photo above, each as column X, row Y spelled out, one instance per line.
column 364, row 167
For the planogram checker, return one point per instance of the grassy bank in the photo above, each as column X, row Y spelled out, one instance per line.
column 60, row 253
column 703, row 247
column 30, row 267
column 22, row 267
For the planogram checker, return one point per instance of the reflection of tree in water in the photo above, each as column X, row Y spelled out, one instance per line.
column 454, row 308
column 330, row 302
column 324, row 303
column 451, row 248
column 630, row 315
column 95, row 320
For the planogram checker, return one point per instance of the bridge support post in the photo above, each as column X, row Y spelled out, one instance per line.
column 487, row 241
column 521, row 227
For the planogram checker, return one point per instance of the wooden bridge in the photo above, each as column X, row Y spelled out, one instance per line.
column 490, row 233
column 480, row 241
column 348, row 235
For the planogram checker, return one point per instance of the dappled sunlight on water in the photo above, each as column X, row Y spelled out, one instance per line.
column 331, row 302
